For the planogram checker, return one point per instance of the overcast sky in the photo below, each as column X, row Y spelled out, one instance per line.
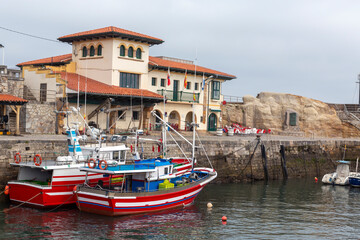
column 304, row 47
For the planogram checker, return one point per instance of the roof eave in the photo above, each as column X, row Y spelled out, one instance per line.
column 207, row 74
column 111, row 34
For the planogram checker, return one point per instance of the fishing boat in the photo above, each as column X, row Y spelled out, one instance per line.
column 45, row 181
column 340, row 176
column 147, row 185
column 354, row 177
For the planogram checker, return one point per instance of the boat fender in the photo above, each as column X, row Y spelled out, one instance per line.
column 17, row 157
column 6, row 190
column 37, row 160
column 92, row 163
column 75, row 189
column 101, row 165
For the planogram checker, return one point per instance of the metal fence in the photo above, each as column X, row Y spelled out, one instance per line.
column 233, row 99
column 180, row 96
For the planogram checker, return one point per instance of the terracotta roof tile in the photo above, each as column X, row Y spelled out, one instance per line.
column 94, row 86
column 164, row 63
column 109, row 30
column 50, row 60
column 11, row 99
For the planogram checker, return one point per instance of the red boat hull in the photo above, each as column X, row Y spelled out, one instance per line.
column 114, row 206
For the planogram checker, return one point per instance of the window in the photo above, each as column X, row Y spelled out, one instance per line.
column 292, row 120
column 196, row 86
column 92, row 51
column 122, row 50
column 215, row 90
column 131, row 52
column 188, row 86
column 84, row 52
column 129, row 80
column 120, row 112
column 153, row 81
column 166, row 171
column 135, row 115
column 99, row 50
column 138, row 53
column 116, row 155
column 43, row 90
column 162, row 82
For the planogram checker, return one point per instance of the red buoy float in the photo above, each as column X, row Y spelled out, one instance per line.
column 17, row 157
column 37, row 160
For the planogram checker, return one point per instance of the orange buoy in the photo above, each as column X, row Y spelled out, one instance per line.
column 316, row 179
column 6, row 190
column 101, row 165
column 75, row 188
column 224, row 218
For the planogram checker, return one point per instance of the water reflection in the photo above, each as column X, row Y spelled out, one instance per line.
column 288, row 210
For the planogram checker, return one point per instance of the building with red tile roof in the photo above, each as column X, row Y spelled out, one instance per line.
column 115, row 63
column 11, row 100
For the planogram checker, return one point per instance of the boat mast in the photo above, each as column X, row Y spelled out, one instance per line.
column 193, row 123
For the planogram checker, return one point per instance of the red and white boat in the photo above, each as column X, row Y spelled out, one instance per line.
column 49, row 182
column 147, row 186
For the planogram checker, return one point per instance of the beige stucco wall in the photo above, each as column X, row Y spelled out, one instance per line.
column 33, row 79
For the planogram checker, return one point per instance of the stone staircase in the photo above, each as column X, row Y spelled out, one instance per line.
column 349, row 113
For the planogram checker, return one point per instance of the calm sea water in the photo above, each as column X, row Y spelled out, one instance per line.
column 295, row 209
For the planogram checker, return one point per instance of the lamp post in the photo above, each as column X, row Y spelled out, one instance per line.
column 3, row 57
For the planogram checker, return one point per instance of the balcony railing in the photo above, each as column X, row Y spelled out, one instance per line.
column 180, row 96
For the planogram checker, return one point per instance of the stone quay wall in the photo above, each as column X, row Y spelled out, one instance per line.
column 230, row 156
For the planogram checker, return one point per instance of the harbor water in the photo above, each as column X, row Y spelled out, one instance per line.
column 293, row 209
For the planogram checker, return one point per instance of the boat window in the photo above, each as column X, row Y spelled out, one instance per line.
column 122, row 155
column 170, row 169
column 116, row 155
column 166, row 171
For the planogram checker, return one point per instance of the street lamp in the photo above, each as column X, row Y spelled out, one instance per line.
column 2, row 46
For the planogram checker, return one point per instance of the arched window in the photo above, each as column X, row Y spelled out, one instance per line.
column 131, row 52
column 92, row 51
column 138, row 53
column 122, row 50
column 99, row 50
column 84, row 52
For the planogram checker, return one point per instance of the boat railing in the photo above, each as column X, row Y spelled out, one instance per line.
column 41, row 158
column 120, row 188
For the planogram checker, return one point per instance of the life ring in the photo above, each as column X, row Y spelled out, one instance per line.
column 17, row 157
column 92, row 163
column 37, row 160
column 100, row 165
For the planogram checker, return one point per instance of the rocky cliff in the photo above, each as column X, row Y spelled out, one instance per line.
column 288, row 114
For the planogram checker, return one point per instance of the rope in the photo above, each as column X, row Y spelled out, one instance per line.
column 61, row 204
column 23, row 203
column 204, row 150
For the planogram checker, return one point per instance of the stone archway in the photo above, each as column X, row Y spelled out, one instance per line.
column 174, row 119
column 155, row 122
column 188, row 121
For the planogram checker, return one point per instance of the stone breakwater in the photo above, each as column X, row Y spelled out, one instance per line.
column 230, row 156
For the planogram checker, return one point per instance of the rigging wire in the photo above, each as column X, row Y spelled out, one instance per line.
column 31, row 35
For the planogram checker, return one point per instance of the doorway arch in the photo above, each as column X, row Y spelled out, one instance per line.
column 188, row 121
column 155, row 122
column 174, row 119
column 212, row 124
